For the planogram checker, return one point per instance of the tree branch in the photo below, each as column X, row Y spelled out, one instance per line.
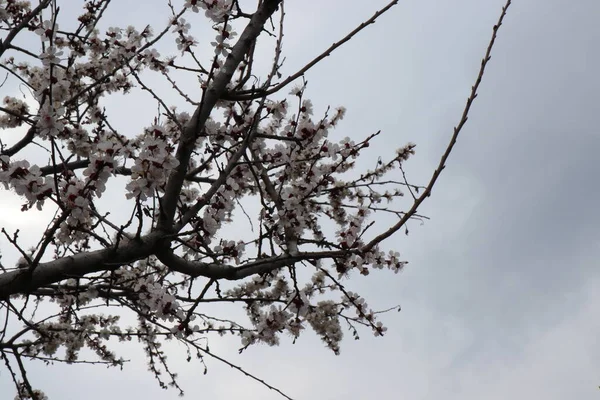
column 214, row 92
column 442, row 164
column 253, row 94
column 5, row 44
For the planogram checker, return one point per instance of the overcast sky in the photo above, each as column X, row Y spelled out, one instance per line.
column 500, row 299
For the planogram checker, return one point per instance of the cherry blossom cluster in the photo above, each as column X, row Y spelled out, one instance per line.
column 23, row 392
column 325, row 321
column 154, row 299
column 297, row 309
column 230, row 250
column 73, row 334
column 216, row 10
column 363, row 313
column 153, row 163
column 306, row 151
column 15, row 112
column 312, row 223
column 220, row 208
column 223, row 40
column 26, row 180
column 13, row 11
column 184, row 40
column 324, row 317
column 310, row 168
column 71, row 294
column 75, row 196
column 353, row 225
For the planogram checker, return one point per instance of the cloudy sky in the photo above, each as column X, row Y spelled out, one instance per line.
column 500, row 299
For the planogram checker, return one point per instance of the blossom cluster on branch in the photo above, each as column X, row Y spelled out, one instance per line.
column 237, row 143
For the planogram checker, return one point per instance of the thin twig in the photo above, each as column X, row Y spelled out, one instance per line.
column 442, row 164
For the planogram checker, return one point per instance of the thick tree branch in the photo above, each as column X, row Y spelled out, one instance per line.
column 22, row 143
column 24, row 280
column 214, row 92
column 229, row 272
